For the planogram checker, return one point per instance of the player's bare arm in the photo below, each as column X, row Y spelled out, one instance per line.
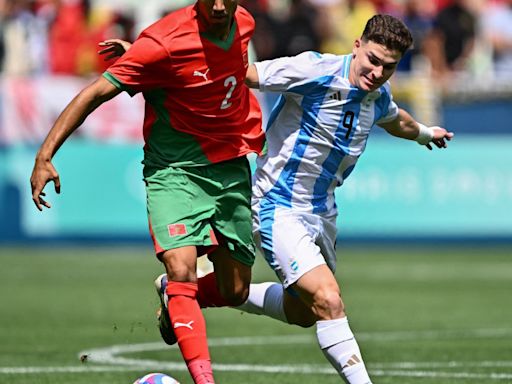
column 251, row 78
column 404, row 126
column 69, row 120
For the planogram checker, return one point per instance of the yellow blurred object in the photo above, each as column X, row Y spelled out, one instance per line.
column 100, row 16
column 346, row 24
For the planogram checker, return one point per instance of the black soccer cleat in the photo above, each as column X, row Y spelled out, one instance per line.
column 164, row 321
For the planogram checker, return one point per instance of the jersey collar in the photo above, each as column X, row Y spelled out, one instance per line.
column 224, row 44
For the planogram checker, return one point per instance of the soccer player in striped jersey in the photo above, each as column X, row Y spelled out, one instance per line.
column 316, row 132
column 200, row 122
column 315, row 135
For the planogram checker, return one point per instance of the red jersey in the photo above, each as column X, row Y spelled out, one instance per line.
column 198, row 109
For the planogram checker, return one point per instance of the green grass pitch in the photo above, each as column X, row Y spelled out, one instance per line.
column 422, row 315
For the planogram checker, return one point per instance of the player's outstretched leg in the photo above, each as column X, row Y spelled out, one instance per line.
column 265, row 299
column 319, row 303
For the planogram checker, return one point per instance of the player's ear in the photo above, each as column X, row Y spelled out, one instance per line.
column 355, row 48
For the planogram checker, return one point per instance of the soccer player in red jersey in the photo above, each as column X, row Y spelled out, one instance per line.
column 200, row 122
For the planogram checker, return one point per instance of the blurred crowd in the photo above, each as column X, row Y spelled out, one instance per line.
column 57, row 36
column 449, row 35
column 61, row 36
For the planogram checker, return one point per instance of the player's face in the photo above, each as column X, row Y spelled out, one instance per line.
column 372, row 65
column 217, row 14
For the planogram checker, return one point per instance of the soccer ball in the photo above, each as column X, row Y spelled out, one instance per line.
column 156, row 378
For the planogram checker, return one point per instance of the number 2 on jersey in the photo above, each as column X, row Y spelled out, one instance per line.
column 231, row 83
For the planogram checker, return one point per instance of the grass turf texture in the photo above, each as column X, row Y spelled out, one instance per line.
column 445, row 310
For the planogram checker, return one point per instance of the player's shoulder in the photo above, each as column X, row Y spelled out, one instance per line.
column 385, row 89
column 327, row 63
column 244, row 15
column 178, row 22
column 245, row 21
column 384, row 95
column 314, row 57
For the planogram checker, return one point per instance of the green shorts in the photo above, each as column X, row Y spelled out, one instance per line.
column 193, row 205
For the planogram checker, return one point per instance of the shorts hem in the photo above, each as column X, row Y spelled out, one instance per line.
column 288, row 282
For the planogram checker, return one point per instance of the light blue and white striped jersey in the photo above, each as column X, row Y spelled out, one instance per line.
column 316, row 131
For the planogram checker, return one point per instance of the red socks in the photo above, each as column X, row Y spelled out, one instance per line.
column 185, row 303
column 208, row 294
column 190, row 329
column 201, row 371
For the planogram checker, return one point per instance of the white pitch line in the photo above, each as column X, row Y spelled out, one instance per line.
column 111, row 362
column 66, row 369
column 435, row 335
column 443, row 375
column 443, row 364
column 304, row 339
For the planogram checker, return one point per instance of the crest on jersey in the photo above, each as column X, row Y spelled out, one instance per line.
column 177, row 229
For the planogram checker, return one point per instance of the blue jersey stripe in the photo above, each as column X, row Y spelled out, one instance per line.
column 382, row 105
column 346, row 65
column 311, row 104
column 266, row 215
column 337, row 153
column 276, row 109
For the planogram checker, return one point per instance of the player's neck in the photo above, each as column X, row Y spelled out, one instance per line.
column 220, row 32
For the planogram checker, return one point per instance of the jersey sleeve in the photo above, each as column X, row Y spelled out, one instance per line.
column 388, row 108
column 282, row 74
column 141, row 68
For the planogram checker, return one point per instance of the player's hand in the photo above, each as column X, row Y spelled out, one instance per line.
column 441, row 136
column 114, row 48
column 42, row 174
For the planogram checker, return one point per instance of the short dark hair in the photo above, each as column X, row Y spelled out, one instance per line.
column 388, row 31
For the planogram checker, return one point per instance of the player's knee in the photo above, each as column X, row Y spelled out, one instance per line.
column 178, row 268
column 327, row 304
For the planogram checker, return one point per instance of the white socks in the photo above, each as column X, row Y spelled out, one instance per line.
column 334, row 336
column 340, row 347
column 265, row 299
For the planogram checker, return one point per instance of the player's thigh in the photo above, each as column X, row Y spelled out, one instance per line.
column 179, row 209
column 318, row 287
column 232, row 219
column 287, row 241
column 317, row 284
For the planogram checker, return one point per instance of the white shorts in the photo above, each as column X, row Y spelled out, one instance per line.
column 293, row 242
